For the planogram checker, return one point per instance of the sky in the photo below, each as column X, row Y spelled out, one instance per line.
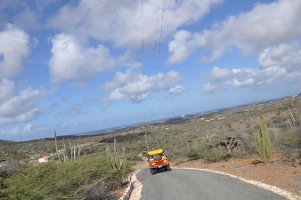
column 84, row 65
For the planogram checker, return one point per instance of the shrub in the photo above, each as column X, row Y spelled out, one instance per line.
column 292, row 138
column 291, row 145
column 100, row 191
column 2, row 195
column 262, row 142
column 204, row 151
column 69, row 180
column 295, row 118
column 8, row 168
column 196, row 151
column 215, row 154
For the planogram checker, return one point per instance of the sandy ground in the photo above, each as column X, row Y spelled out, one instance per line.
column 275, row 173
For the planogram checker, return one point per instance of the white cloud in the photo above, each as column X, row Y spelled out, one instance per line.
column 73, row 61
column 210, row 87
column 28, row 15
column 266, row 25
column 125, row 23
column 18, row 108
column 14, row 48
column 277, row 62
column 28, row 128
column 178, row 48
column 7, row 89
column 220, row 73
column 283, row 55
column 135, row 86
column 243, row 77
column 178, row 89
column 23, row 131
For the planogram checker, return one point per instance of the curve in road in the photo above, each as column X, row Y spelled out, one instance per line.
column 183, row 184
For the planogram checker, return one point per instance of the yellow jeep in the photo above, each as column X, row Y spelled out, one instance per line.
column 157, row 161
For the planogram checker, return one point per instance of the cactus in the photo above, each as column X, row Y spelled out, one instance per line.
column 113, row 159
column 295, row 118
column 263, row 142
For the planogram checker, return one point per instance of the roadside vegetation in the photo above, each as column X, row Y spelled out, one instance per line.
column 92, row 177
column 262, row 142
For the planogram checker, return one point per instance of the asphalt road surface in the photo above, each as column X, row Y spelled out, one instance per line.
column 184, row 184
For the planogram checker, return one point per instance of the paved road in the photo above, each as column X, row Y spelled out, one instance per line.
column 183, row 184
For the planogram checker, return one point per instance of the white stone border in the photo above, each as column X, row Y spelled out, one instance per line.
column 134, row 189
column 265, row 186
column 137, row 187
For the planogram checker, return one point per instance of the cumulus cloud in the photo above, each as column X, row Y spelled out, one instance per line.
column 286, row 55
column 281, row 61
column 18, row 108
column 73, row 61
column 28, row 128
column 7, row 88
column 210, row 87
column 178, row 47
column 14, row 49
column 178, row 89
column 125, row 23
column 267, row 24
column 25, row 131
column 135, row 86
column 28, row 15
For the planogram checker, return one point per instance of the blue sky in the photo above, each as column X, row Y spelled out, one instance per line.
column 79, row 66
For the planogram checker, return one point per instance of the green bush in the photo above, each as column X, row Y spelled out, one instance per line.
column 2, row 195
column 214, row 155
column 295, row 118
column 204, row 151
column 291, row 145
column 61, row 181
column 291, row 138
column 262, row 142
column 196, row 151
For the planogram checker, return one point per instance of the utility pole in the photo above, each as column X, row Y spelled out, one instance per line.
column 65, row 152
column 146, row 142
column 71, row 150
column 124, row 164
column 56, row 148
column 115, row 152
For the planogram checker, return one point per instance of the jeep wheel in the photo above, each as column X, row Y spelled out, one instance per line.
column 152, row 171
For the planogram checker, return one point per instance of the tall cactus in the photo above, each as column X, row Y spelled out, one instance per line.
column 263, row 142
column 113, row 159
column 295, row 118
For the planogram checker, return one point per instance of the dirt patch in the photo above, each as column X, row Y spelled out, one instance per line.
column 140, row 165
column 120, row 191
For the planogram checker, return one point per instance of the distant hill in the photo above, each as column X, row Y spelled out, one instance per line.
column 6, row 142
column 177, row 120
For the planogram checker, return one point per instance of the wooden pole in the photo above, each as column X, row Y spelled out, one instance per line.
column 124, row 165
column 74, row 151
column 115, row 152
column 56, row 148
column 78, row 150
column 146, row 142
column 71, row 151
column 65, row 152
